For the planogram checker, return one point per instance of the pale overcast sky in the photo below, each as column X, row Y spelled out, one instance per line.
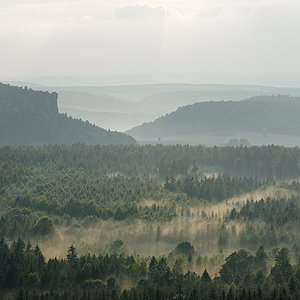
column 98, row 37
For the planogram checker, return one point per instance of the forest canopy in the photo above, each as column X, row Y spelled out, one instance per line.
column 149, row 222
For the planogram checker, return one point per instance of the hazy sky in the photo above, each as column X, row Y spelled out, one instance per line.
column 98, row 37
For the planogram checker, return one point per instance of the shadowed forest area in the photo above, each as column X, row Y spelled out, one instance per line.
column 29, row 117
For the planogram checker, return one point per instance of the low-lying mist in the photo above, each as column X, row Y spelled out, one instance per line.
column 203, row 226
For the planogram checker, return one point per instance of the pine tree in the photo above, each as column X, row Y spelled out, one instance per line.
column 152, row 270
column 261, row 258
column 283, row 270
column 205, row 278
column 72, row 255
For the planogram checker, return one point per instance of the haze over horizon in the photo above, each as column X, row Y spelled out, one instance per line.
column 194, row 41
column 288, row 80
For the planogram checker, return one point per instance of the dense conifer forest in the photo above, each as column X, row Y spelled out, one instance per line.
column 149, row 222
column 244, row 275
column 161, row 161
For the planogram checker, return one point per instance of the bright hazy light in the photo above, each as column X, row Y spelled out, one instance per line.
column 100, row 37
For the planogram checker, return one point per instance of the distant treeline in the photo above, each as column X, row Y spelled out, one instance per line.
column 162, row 161
column 262, row 114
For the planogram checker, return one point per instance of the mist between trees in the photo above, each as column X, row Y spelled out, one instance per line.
column 193, row 208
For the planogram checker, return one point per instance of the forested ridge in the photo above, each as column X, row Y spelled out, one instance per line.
column 31, row 117
column 270, row 114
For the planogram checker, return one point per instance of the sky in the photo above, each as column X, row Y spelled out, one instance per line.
column 106, row 37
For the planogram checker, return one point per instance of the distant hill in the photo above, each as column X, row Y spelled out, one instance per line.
column 136, row 93
column 167, row 102
column 32, row 117
column 263, row 114
column 87, row 100
column 125, row 106
column 100, row 109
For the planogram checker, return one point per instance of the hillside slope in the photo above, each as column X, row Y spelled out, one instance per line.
column 32, row 117
column 271, row 114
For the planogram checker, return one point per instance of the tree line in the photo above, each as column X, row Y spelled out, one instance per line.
column 162, row 161
column 244, row 275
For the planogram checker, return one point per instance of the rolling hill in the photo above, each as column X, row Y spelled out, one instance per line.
column 262, row 114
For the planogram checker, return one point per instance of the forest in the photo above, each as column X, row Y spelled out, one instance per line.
column 244, row 275
column 149, row 222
